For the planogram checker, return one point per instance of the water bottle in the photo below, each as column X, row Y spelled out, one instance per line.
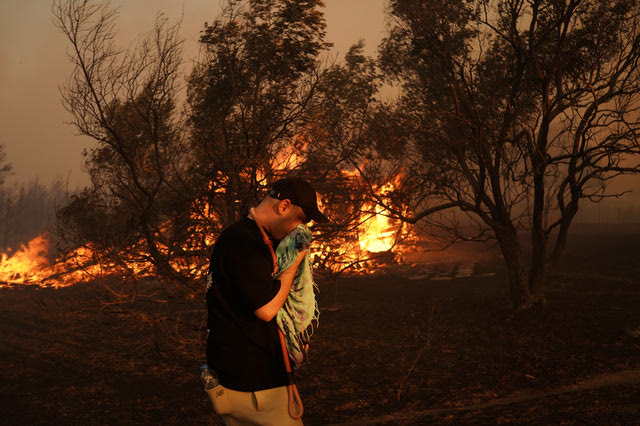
column 208, row 377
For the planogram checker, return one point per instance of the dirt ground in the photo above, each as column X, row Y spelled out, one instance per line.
column 430, row 342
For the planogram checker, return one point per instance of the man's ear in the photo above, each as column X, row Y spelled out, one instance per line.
column 283, row 205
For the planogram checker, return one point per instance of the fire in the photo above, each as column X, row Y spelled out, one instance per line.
column 379, row 240
column 30, row 265
column 378, row 233
column 26, row 264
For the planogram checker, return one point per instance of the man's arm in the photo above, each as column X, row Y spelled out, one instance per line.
column 268, row 311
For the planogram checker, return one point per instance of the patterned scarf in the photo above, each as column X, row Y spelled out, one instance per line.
column 300, row 309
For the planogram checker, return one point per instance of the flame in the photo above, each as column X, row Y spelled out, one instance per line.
column 30, row 265
column 380, row 241
column 290, row 156
column 378, row 233
column 26, row 264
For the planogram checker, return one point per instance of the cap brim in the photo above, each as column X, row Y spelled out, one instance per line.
column 318, row 217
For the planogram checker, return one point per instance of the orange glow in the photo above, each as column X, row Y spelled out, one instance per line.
column 379, row 240
column 378, row 232
column 26, row 264
column 30, row 265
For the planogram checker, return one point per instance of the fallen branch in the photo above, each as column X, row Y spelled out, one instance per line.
column 426, row 346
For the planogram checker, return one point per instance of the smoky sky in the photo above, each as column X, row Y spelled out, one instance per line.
column 33, row 64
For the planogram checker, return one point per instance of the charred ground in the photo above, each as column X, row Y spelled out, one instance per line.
column 391, row 348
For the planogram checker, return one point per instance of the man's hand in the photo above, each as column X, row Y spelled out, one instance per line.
column 290, row 273
column 268, row 311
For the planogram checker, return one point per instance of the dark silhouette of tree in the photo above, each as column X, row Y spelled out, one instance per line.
column 247, row 100
column 512, row 111
column 163, row 185
column 340, row 133
column 5, row 168
column 125, row 100
column 5, row 200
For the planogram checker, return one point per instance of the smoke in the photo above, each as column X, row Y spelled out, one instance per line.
column 27, row 210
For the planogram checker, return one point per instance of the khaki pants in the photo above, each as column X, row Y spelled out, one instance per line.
column 265, row 407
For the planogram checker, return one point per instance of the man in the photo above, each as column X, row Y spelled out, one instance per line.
column 243, row 298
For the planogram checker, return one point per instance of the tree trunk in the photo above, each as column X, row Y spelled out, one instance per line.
column 538, row 268
column 160, row 261
column 520, row 297
column 537, row 281
column 567, row 217
column 560, row 244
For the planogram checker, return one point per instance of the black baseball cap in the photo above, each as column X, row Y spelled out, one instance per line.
column 300, row 193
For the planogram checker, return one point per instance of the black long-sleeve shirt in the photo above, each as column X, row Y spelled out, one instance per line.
column 242, row 349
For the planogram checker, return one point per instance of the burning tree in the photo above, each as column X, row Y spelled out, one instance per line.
column 247, row 99
column 339, row 129
column 261, row 106
column 512, row 111
column 163, row 186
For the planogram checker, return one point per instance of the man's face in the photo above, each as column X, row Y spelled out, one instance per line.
column 289, row 216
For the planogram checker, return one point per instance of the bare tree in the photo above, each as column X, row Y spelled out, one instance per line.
column 125, row 100
column 512, row 111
